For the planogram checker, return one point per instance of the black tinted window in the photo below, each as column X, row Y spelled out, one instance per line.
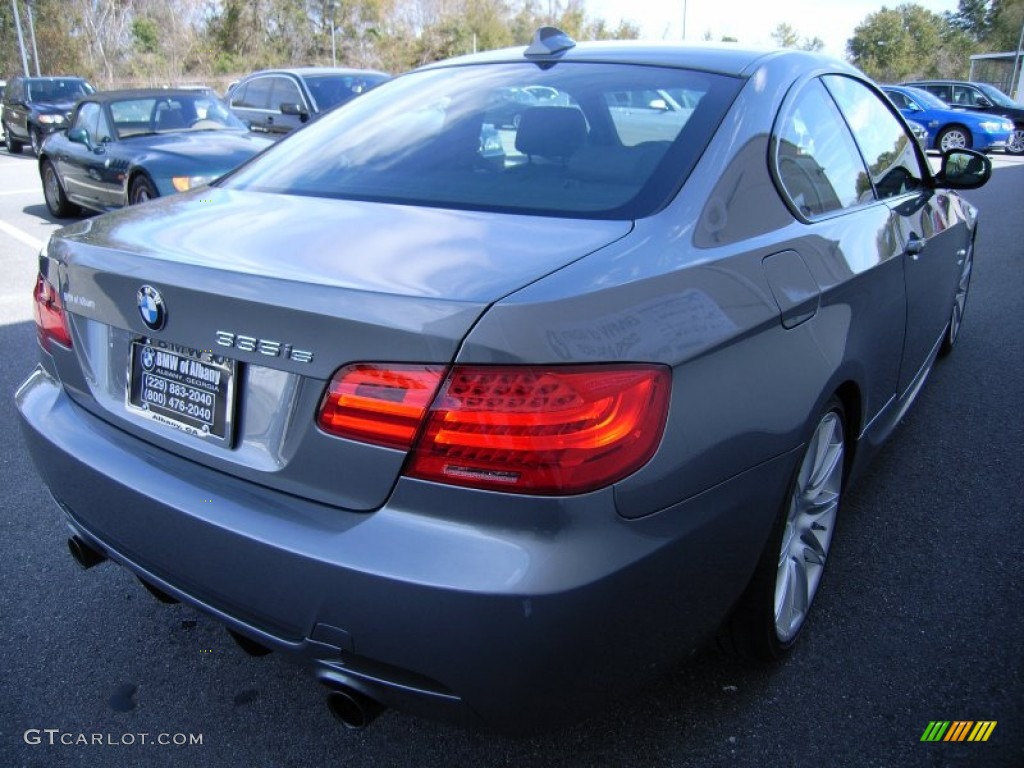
column 331, row 90
column 286, row 91
column 443, row 137
column 255, row 94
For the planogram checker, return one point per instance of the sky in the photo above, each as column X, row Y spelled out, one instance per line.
column 751, row 21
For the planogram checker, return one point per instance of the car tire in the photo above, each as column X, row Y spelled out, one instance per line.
column 956, row 316
column 36, row 140
column 953, row 137
column 769, row 617
column 1016, row 145
column 141, row 190
column 13, row 146
column 53, row 192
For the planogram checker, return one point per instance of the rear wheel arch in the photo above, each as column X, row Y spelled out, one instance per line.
column 849, row 394
column 954, row 128
column 752, row 628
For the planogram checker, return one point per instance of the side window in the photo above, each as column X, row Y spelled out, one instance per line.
column 897, row 98
column 256, row 94
column 238, row 95
column 888, row 149
column 815, row 157
column 87, row 118
column 961, row 96
column 104, row 132
column 944, row 92
column 286, row 91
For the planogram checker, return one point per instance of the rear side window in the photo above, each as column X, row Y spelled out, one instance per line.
column 589, row 140
column 816, row 159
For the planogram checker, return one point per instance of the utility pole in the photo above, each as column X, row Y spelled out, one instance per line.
column 334, row 50
column 32, row 34
column 1015, row 83
column 684, row 19
column 21, row 40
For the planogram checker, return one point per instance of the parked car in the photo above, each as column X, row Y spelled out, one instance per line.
column 127, row 147
column 980, row 97
column 950, row 128
column 280, row 100
column 34, row 107
column 508, row 105
column 500, row 441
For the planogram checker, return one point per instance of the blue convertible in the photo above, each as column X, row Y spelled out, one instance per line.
column 126, row 147
column 950, row 128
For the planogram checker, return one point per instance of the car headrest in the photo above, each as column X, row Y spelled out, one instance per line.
column 551, row 131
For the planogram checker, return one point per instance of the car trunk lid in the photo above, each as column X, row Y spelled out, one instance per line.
column 285, row 290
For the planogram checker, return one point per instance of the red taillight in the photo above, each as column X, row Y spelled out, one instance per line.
column 379, row 404
column 51, row 322
column 542, row 430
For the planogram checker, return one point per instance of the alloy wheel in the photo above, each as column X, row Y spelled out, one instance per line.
column 810, row 522
column 1016, row 146
column 953, row 139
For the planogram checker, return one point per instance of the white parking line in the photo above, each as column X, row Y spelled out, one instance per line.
column 21, row 237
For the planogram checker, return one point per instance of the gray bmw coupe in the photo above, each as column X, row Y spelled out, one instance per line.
column 491, row 431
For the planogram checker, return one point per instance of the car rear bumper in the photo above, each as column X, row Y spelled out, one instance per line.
column 510, row 612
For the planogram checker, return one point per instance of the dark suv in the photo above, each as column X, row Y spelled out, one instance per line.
column 36, row 106
column 280, row 100
column 980, row 97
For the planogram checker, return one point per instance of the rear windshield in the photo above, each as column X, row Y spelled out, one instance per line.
column 575, row 139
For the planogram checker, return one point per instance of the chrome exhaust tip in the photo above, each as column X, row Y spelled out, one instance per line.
column 353, row 709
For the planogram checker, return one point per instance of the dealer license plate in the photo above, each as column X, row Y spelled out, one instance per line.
column 188, row 389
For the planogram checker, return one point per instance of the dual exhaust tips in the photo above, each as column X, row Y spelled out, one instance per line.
column 353, row 709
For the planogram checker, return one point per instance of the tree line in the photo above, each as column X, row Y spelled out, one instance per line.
column 117, row 42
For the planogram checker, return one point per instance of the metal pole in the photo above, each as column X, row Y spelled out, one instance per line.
column 684, row 19
column 1014, row 84
column 334, row 50
column 21, row 40
column 32, row 34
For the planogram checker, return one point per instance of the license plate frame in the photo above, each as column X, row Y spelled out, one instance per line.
column 190, row 390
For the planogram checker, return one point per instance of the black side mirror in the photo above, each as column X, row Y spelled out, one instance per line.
column 964, row 169
column 292, row 108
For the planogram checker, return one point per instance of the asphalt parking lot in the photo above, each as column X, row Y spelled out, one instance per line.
column 918, row 620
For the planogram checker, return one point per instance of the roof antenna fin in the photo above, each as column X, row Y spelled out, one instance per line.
column 548, row 41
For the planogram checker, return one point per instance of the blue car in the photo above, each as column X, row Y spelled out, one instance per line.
column 127, row 147
column 950, row 128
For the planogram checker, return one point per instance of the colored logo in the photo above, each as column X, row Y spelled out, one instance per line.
column 151, row 307
column 148, row 358
column 958, row 730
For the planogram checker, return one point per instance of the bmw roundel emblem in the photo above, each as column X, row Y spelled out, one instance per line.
column 151, row 307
